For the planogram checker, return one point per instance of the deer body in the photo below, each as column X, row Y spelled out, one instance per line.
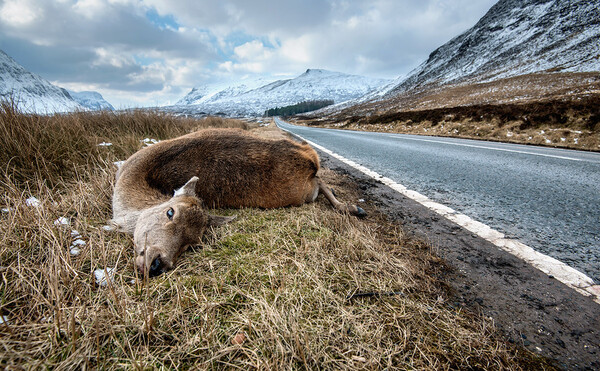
column 209, row 168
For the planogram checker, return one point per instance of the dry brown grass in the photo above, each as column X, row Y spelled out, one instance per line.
column 269, row 291
column 62, row 145
column 568, row 123
column 528, row 88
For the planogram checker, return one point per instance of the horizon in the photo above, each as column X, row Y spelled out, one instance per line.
column 153, row 52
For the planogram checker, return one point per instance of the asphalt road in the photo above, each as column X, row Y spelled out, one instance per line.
column 544, row 197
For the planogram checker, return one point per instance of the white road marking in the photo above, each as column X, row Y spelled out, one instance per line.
column 494, row 149
column 561, row 271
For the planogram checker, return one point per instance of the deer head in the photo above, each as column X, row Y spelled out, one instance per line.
column 164, row 231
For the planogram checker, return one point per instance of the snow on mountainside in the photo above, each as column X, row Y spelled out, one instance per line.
column 91, row 100
column 516, row 37
column 255, row 97
column 31, row 92
column 218, row 92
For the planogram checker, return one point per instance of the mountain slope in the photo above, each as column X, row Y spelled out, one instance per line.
column 516, row 37
column 31, row 92
column 91, row 100
column 255, row 97
column 219, row 92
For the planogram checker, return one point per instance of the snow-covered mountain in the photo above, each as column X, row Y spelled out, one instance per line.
column 252, row 98
column 221, row 92
column 91, row 100
column 31, row 92
column 516, row 37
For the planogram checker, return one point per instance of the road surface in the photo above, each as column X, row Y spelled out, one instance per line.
column 546, row 198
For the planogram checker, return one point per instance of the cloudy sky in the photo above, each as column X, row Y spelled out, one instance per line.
column 152, row 52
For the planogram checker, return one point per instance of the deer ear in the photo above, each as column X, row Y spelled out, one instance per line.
column 188, row 189
column 215, row 220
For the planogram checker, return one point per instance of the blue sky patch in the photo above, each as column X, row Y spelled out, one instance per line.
column 163, row 22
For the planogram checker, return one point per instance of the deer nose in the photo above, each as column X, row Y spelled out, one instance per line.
column 156, row 268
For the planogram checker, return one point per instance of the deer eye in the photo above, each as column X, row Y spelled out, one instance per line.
column 170, row 213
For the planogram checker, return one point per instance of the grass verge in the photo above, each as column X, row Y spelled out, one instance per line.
column 567, row 122
column 288, row 288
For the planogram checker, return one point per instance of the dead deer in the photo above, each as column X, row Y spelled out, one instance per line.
column 161, row 191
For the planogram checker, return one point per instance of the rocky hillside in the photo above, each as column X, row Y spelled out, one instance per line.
column 516, row 37
column 31, row 92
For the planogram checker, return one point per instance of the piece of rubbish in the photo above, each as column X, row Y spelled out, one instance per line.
column 5, row 210
column 359, row 359
column 75, row 233
column 62, row 221
column 32, row 201
column 108, row 228
column 149, row 141
column 103, row 276
column 361, row 200
column 239, row 339
column 74, row 251
column 118, row 164
column 78, row 242
column 4, row 320
column 105, row 144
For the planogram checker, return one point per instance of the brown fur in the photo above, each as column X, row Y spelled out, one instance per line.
column 235, row 169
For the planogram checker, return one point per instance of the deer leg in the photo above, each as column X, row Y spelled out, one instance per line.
column 351, row 209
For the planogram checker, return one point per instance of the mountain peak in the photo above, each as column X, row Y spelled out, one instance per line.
column 314, row 84
column 91, row 100
column 516, row 37
column 314, row 70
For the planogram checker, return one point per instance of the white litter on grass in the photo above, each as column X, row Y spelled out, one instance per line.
column 32, row 201
column 75, row 233
column 78, row 242
column 5, row 210
column 74, row 251
column 576, row 140
column 361, row 200
column 548, row 141
column 149, row 141
column 118, row 164
column 62, row 221
column 4, row 320
column 103, row 276
column 509, row 134
column 105, row 144
column 108, row 228
column 563, row 139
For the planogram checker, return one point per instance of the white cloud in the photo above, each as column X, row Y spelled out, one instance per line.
column 112, row 58
column 251, row 50
column 90, row 8
column 18, row 12
column 115, row 46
